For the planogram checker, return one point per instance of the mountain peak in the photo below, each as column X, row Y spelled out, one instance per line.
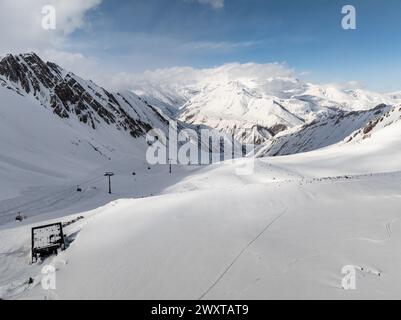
column 69, row 96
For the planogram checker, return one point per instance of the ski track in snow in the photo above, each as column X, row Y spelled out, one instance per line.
column 240, row 254
column 161, row 235
column 388, row 233
column 344, row 212
column 17, row 288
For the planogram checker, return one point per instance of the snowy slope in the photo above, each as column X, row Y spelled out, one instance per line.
column 388, row 119
column 251, row 103
column 346, row 99
column 235, row 109
column 71, row 97
column 395, row 96
column 38, row 148
column 320, row 133
column 201, row 232
column 285, row 231
column 58, row 131
column 81, row 102
column 56, row 126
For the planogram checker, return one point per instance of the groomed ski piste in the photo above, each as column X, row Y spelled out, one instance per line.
column 284, row 231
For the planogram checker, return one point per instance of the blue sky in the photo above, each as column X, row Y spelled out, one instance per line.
column 307, row 35
column 135, row 35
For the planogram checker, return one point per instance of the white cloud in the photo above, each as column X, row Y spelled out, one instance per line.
column 272, row 74
column 350, row 85
column 216, row 46
column 85, row 67
column 216, row 4
column 21, row 23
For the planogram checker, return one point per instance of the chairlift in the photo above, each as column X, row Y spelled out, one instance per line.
column 19, row 217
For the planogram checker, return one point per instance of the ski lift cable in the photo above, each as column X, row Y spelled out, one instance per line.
column 91, row 180
column 18, row 207
column 41, row 199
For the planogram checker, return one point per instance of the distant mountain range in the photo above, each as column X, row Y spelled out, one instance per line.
column 67, row 117
column 255, row 109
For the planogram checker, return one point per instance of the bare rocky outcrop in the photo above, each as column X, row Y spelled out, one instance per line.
column 70, row 96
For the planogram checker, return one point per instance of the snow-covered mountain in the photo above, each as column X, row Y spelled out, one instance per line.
column 281, row 113
column 395, row 96
column 57, row 127
column 285, row 231
column 390, row 118
column 250, row 105
column 237, row 109
column 279, row 231
column 321, row 133
column 69, row 96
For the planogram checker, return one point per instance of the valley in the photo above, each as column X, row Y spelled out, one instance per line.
column 322, row 192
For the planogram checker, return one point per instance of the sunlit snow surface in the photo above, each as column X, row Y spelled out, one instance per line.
column 198, row 232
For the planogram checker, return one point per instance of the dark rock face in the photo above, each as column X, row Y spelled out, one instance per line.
column 68, row 95
column 277, row 129
column 29, row 71
column 324, row 132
